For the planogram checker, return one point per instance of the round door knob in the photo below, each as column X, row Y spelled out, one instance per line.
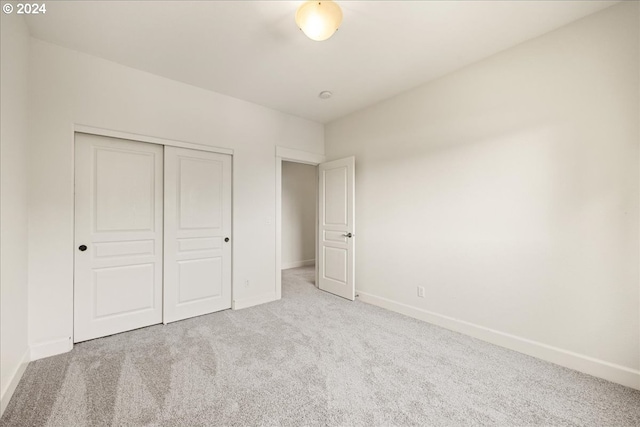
column 82, row 248
column 226, row 239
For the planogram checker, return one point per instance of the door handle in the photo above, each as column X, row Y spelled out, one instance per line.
column 82, row 248
column 349, row 235
column 226, row 239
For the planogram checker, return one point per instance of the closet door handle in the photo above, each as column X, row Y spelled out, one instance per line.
column 82, row 248
column 349, row 235
column 226, row 239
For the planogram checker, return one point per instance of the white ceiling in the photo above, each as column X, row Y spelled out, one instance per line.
column 253, row 50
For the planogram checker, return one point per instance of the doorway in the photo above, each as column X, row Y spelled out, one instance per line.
column 334, row 224
column 298, row 208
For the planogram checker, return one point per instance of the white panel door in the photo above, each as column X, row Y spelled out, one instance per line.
column 337, row 227
column 118, row 236
column 197, row 246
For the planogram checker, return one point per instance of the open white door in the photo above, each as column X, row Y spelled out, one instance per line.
column 197, row 246
column 118, row 236
column 336, row 252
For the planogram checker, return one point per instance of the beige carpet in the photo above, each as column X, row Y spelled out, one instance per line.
column 309, row 359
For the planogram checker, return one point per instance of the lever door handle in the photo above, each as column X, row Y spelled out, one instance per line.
column 349, row 235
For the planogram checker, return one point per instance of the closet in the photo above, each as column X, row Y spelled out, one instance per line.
column 152, row 234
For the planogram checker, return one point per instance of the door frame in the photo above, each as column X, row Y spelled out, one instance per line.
column 284, row 154
column 79, row 128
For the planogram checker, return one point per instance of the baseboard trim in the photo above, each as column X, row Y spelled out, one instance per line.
column 579, row 362
column 7, row 393
column 51, row 348
column 239, row 304
column 296, row 264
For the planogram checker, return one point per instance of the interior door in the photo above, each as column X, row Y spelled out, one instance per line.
column 197, row 247
column 118, row 236
column 336, row 252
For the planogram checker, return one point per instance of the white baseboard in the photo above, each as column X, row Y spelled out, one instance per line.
column 15, row 379
column 296, row 264
column 579, row 362
column 51, row 348
column 239, row 304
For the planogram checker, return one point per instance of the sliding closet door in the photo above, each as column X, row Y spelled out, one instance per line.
column 197, row 224
column 118, row 236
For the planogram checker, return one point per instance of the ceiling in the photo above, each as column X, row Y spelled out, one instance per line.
column 253, row 50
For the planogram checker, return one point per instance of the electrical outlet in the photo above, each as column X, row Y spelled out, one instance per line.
column 421, row 291
column 246, row 283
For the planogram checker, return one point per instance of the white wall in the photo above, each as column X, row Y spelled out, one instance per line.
column 509, row 190
column 299, row 186
column 13, row 204
column 68, row 87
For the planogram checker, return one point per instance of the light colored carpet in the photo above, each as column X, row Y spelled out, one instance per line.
column 309, row 359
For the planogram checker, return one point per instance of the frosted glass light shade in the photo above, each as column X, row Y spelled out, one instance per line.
column 318, row 20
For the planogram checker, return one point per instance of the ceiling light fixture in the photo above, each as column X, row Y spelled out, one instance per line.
column 319, row 20
column 325, row 94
